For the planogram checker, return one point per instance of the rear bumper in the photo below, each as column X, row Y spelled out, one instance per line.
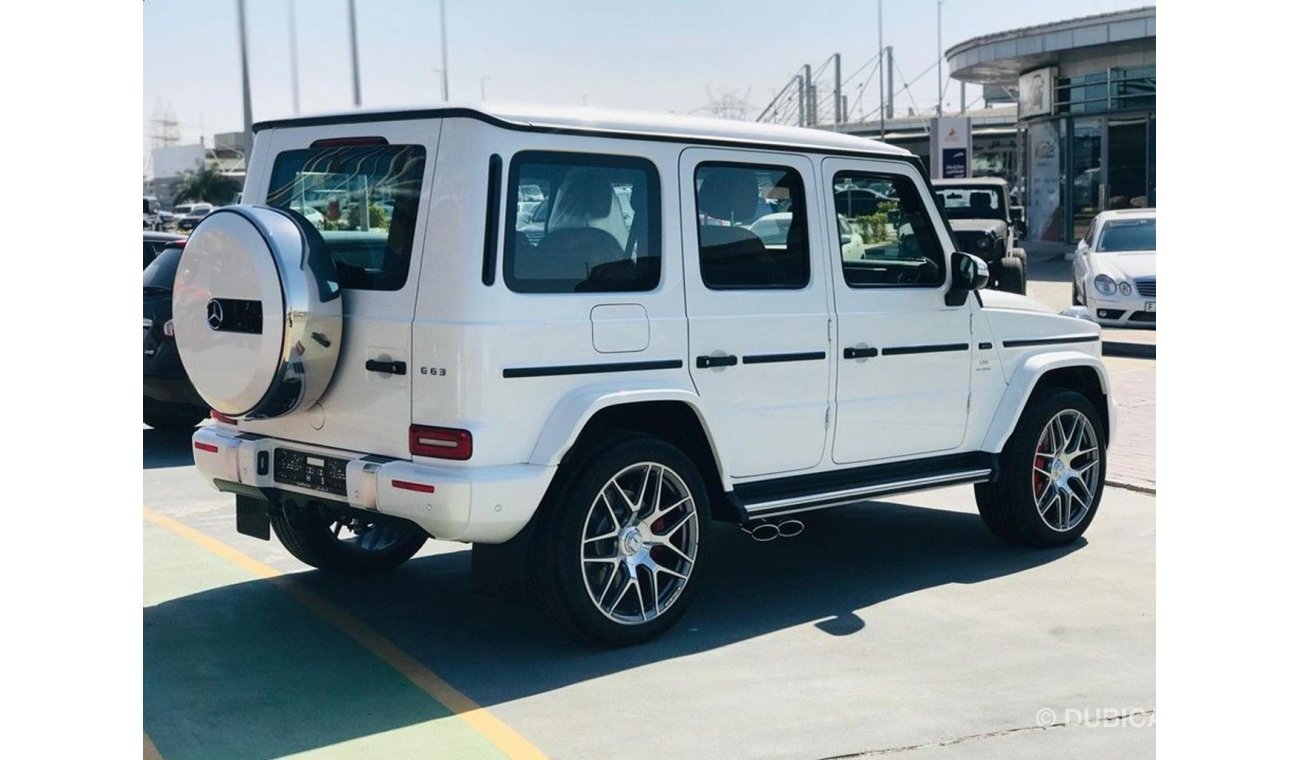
column 474, row 504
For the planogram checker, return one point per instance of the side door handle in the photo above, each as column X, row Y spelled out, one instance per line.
column 392, row 368
column 704, row 362
column 861, row 353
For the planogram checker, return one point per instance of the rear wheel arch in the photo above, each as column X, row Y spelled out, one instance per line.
column 675, row 421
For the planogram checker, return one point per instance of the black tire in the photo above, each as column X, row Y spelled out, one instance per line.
column 1011, row 275
column 560, row 576
column 1008, row 504
column 160, row 420
column 373, row 546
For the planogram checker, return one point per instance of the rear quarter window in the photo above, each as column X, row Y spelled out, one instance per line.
column 364, row 201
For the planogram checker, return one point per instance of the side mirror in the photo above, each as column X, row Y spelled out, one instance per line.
column 969, row 273
column 1017, row 214
column 845, row 239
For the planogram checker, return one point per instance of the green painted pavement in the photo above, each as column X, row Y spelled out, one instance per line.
column 234, row 667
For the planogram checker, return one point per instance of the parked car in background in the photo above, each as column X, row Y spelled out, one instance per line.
column 980, row 213
column 195, row 215
column 170, row 401
column 151, row 218
column 154, row 242
column 1115, row 268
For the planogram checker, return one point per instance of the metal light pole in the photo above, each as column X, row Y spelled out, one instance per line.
column 938, row 109
column 880, row 42
column 356, row 70
column 293, row 54
column 243, row 66
column 442, row 24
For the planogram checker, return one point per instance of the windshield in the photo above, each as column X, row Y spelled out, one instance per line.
column 1122, row 235
column 972, row 203
column 161, row 272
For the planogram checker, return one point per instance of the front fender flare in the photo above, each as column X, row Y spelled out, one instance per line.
column 1022, row 383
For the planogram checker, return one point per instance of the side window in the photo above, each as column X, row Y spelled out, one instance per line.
column 892, row 241
column 582, row 223
column 752, row 223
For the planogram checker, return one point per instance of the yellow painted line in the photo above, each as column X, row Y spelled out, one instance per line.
column 485, row 723
column 150, row 751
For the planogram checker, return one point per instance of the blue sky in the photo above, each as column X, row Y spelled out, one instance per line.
column 648, row 55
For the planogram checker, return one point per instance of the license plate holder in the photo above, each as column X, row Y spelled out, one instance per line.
column 314, row 471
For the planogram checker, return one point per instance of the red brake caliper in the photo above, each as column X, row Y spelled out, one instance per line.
column 1039, row 480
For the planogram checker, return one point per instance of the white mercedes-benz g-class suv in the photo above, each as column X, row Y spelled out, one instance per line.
column 553, row 334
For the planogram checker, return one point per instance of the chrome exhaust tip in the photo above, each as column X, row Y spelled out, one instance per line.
column 763, row 532
column 789, row 528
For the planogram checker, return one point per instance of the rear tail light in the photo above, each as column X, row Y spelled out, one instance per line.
column 443, row 443
column 219, row 417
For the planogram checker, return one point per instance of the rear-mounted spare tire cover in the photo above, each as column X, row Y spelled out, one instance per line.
column 258, row 312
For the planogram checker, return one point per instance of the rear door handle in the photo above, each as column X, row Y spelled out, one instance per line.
column 704, row 362
column 392, row 368
column 860, row 353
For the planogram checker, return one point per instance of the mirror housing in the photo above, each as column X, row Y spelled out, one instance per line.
column 969, row 273
column 1080, row 250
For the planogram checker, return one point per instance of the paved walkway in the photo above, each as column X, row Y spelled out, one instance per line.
column 1132, row 461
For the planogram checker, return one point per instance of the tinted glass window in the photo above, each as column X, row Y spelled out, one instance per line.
column 971, row 202
column 752, row 223
column 897, row 244
column 1127, row 235
column 581, row 224
column 346, row 193
column 161, row 272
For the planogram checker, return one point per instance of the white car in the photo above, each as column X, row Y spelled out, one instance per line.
column 586, row 403
column 1115, row 268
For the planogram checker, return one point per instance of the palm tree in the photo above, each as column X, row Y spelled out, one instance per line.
column 208, row 185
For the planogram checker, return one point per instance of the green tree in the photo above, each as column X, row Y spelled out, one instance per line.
column 207, row 185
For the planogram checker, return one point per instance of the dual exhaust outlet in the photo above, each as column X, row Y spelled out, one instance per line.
column 770, row 531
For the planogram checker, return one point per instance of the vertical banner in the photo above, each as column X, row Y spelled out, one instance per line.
column 952, row 146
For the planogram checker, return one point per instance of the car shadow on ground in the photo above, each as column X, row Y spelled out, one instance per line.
column 167, row 448
column 245, row 660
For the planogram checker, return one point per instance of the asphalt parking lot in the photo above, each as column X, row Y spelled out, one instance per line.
column 899, row 627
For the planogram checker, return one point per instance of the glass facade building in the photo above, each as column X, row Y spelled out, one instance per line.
column 1087, row 114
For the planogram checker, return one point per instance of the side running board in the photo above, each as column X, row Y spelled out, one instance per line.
column 802, row 493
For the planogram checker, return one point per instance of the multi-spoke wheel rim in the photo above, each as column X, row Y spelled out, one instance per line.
column 639, row 543
column 1067, row 465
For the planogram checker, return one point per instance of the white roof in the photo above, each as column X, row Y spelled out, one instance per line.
column 987, row 181
column 1127, row 213
column 629, row 122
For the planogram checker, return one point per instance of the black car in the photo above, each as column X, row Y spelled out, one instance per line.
column 154, row 242
column 170, row 401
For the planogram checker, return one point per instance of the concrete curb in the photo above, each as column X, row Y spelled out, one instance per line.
column 1128, row 350
column 1132, row 487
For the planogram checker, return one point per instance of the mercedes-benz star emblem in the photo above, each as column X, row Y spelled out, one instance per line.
column 215, row 314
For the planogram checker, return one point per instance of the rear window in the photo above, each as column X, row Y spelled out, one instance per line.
column 363, row 199
column 162, row 271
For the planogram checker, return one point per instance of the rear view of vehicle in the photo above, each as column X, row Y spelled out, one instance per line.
column 170, row 401
column 312, row 287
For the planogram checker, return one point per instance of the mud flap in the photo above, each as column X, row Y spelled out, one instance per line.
column 253, row 517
